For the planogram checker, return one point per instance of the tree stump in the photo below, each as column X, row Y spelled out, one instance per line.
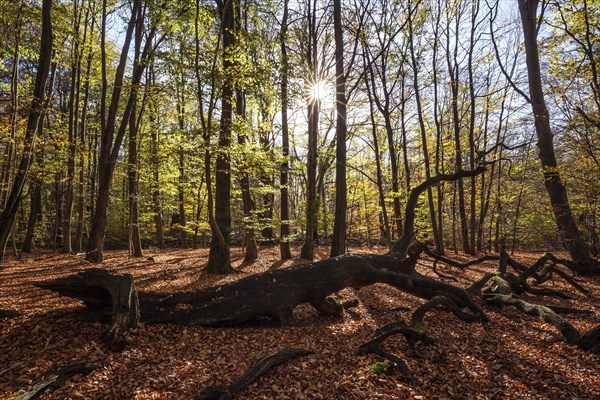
column 107, row 296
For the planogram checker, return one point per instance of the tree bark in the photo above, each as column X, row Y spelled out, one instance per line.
column 35, row 119
column 219, row 258
column 434, row 227
column 565, row 221
column 284, row 246
column 307, row 251
column 338, row 243
column 111, row 137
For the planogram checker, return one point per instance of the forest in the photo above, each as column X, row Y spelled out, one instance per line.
column 308, row 199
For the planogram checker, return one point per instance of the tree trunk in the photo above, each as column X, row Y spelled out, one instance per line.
column 438, row 120
column 434, row 227
column 72, row 133
column 472, row 98
column 565, row 221
column 82, row 143
column 379, row 174
column 109, row 143
column 284, row 246
column 132, row 184
column 35, row 182
column 338, row 243
column 453, row 71
column 181, row 164
column 247, row 201
column 307, row 251
column 7, row 217
column 219, row 259
column 35, row 204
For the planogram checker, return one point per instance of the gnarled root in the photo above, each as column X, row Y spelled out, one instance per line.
column 260, row 367
column 54, row 379
column 499, row 293
column 415, row 333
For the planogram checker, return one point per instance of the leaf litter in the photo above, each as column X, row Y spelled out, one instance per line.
column 512, row 356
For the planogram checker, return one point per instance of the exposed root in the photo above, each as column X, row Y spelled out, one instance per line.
column 54, row 379
column 415, row 333
column 260, row 367
column 412, row 337
column 499, row 293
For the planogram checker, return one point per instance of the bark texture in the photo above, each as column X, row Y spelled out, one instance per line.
column 565, row 222
column 34, row 122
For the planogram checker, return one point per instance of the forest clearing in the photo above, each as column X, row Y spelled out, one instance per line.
column 511, row 356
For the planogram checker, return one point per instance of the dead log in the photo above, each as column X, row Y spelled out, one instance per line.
column 272, row 294
column 55, row 379
column 260, row 367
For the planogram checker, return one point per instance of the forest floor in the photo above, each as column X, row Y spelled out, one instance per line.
column 512, row 356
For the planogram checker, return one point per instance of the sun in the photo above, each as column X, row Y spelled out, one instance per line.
column 319, row 91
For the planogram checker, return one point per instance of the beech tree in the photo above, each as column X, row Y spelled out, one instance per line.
column 34, row 123
column 285, row 138
column 219, row 261
column 112, row 135
column 338, row 243
column 557, row 192
column 313, row 107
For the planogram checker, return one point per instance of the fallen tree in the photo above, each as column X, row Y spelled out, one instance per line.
column 274, row 294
